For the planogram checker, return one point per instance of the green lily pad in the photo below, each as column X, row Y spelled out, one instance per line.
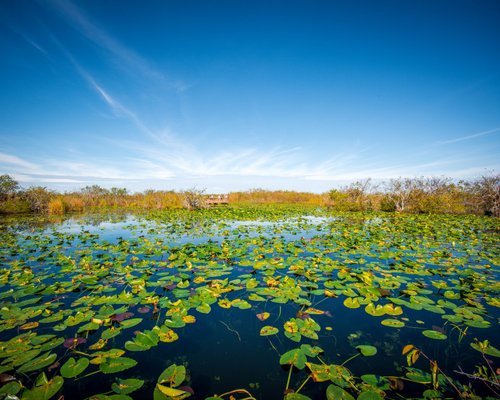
column 38, row 363
column 369, row 395
column 431, row 334
column 126, row 386
column 486, row 348
column 72, row 368
column 44, row 389
column 334, row 392
column 478, row 323
column 173, row 375
column 393, row 323
column 113, row 365
column 367, row 350
column 296, row 396
column 352, row 302
column 11, row 388
column 375, row 310
column 129, row 323
column 311, row 351
column 295, row 357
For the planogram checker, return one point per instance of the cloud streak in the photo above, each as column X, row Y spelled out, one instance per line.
column 15, row 161
column 469, row 137
column 124, row 56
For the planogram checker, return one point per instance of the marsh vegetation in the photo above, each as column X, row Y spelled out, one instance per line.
column 248, row 302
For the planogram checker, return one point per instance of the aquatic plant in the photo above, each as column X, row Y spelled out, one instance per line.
column 331, row 297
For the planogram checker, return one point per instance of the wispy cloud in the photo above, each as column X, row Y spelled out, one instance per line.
column 124, row 56
column 185, row 159
column 469, row 137
column 118, row 108
column 15, row 161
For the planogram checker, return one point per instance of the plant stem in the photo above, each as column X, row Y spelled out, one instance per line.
column 239, row 391
column 231, row 329
column 350, row 358
column 89, row 374
column 289, row 376
column 303, row 383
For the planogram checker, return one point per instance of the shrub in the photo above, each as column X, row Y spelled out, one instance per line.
column 56, row 206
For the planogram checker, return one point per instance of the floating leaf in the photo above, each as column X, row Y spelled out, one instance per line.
column 129, row 323
column 72, row 368
column 268, row 330
column 174, row 375
column 294, row 357
column 38, row 363
column 393, row 323
column 296, row 396
column 352, row 302
column 431, row 334
column 311, row 351
column 263, row 316
column 204, row 308
column 486, row 348
column 44, row 389
column 375, row 310
column 367, row 350
column 126, row 386
column 369, row 395
column 334, row 392
column 224, row 303
column 189, row 319
column 113, row 365
column 29, row 325
column 172, row 392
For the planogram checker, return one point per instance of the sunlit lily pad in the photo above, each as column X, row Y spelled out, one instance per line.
column 393, row 323
column 263, row 316
column 172, row 392
column 352, row 302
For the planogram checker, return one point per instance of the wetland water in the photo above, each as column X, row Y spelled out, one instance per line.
column 177, row 305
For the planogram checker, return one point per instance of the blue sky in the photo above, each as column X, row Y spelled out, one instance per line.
column 234, row 95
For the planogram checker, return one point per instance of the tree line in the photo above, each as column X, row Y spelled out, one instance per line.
column 480, row 196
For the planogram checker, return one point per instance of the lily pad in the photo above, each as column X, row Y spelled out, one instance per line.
column 38, row 363
column 432, row 334
column 72, row 368
column 268, row 330
column 334, row 392
column 393, row 323
column 295, row 357
column 486, row 348
column 44, row 389
column 367, row 350
column 126, row 386
column 113, row 365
